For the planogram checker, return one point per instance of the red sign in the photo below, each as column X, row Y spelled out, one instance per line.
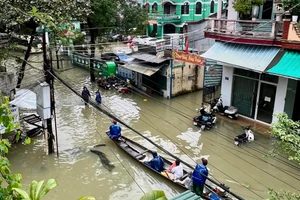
column 188, row 57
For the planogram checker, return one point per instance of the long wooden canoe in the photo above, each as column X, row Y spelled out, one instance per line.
column 142, row 154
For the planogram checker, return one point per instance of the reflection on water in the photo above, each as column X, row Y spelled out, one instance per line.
column 80, row 172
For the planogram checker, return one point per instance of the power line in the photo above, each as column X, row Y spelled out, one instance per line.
column 123, row 123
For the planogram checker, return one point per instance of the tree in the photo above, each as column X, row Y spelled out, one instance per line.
column 120, row 14
column 17, row 15
column 286, row 134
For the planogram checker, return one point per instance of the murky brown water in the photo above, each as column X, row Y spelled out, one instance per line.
column 79, row 172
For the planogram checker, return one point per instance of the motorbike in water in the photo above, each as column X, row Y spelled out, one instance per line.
column 247, row 136
column 205, row 120
column 229, row 111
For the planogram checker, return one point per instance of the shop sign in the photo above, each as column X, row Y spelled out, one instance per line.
column 188, row 57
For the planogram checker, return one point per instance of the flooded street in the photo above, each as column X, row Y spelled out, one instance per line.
column 79, row 172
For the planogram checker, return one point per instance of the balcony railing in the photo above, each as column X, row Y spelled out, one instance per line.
column 245, row 28
column 164, row 17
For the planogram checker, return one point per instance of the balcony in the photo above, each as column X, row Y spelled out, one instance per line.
column 165, row 17
column 245, row 31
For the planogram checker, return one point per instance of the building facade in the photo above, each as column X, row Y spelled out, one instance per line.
column 261, row 62
column 171, row 16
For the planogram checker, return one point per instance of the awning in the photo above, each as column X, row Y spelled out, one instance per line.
column 143, row 69
column 24, row 99
column 250, row 57
column 288, row 66
column 148, row 57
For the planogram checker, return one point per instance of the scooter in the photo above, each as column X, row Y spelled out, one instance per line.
column 230, row 111
column 248, row 136
column 205, row 120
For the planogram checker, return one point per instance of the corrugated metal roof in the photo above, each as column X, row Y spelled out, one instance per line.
column 187, row 195
column 288, row 66
column 24, row 99
column 251, row 57
column 148, row 57
column 143, row 69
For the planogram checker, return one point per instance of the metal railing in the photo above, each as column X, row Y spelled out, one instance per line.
column 249, row 28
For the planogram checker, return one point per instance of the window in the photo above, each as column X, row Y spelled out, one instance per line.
column 199, row 8
column 154, row 8
column 185, row 9
column 212, row 7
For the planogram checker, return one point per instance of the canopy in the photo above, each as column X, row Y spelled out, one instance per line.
column 24, row 99
column 143, row 69
column 288, row 66
column 251, row 57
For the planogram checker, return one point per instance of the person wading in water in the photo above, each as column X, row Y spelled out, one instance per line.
column 85, row 94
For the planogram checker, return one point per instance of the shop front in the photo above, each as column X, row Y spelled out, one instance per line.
column 245, row 83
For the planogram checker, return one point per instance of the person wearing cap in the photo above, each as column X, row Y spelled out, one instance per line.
column 199, row 176
column 114, row 131
column 85, row 94
column 156, row 163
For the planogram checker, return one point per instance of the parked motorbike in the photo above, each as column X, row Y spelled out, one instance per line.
column 230, row 111
column 205, row 120
column 248, row 136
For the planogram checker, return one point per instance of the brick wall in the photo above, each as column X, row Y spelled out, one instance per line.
column 285, row 28
column 290, row 45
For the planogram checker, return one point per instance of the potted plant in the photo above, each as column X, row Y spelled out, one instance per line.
column 243, row 7
column 293, row 7
column 255, row 8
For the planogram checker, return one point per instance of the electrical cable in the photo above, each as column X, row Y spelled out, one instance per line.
column 123, row 123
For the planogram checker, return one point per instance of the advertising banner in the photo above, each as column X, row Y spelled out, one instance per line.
column 188, row 57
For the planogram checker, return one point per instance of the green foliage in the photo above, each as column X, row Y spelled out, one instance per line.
column 10, row 184
column 37, row 189
column 258, row 2
column 283, row 195
column 87, row 198
column 287, row 137
column 242, row 6
column 154, row 195
column 293, row 6
column 124, row 15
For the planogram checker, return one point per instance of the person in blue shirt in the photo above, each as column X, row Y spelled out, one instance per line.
column 98, row 97
column 199, row 176
column 156, row 163
column 114, row 131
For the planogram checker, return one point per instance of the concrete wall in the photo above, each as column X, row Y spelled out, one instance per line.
column 293, row 33
column 187, row 78
column 280, row 96
column 227, row 83
column 7, row 83
column 196, row 37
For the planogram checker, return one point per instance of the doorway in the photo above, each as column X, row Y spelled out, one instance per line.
column 266, row 101
column 267, row 11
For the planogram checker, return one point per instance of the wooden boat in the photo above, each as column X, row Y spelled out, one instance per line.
column 143, row 154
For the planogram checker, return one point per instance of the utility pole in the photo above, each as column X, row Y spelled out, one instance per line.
column 49, row 79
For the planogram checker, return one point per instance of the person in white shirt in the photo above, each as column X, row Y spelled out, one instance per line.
column 176, row 172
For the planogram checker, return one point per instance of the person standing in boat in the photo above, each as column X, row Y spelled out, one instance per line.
column 85, row 94
column 156, row 163
column 98, row 97
column 114, row 131
column 199, row 176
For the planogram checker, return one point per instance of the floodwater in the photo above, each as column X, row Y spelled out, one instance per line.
column 80, row 172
